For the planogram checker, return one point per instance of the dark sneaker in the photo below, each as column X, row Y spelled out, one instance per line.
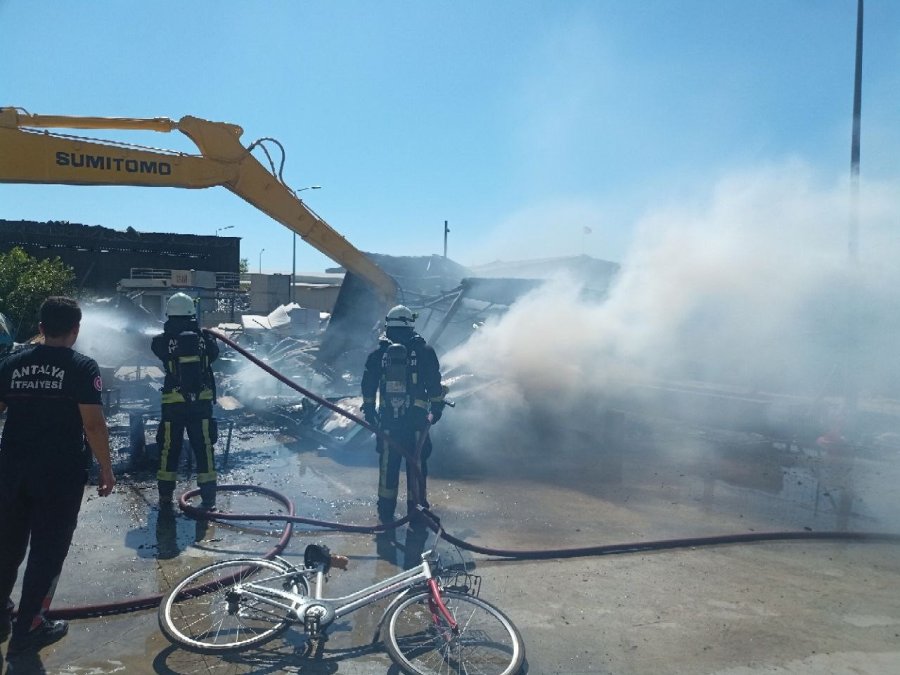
column 206, row 506
column 45, row 634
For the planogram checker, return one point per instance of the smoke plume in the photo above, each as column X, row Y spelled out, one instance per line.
column 750, row 288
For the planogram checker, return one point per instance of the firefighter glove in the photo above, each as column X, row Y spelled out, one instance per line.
column 437, row 409
column 368, row 411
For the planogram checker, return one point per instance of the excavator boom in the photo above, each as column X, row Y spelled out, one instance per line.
column 29, row 155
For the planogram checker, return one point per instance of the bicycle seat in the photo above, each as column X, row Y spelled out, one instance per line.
column 316, row 554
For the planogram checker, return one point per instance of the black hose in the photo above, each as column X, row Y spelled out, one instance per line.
column 431, row 520
column 434, row 522
column 659, row 545
column 150, row 601
column 411, row 457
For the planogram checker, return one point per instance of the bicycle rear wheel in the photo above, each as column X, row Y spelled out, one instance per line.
column 420, row 641
column 215, row 610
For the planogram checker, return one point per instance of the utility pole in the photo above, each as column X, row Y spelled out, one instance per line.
column 446, row 232
column 853, row 244
column 294, row 256
column 851, row 359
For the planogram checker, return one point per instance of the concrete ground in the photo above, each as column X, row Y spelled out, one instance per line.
column 785, row 607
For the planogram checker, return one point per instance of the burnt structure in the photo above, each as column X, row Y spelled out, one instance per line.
column 358, row 312
column 102, row 256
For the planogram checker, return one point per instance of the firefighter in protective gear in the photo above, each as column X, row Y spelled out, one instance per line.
column 188, row 395
column 401, row 387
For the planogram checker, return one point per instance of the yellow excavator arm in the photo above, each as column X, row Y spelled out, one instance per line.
column 31, row 154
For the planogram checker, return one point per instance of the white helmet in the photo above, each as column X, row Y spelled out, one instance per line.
column 400, row 317
column 180, row 304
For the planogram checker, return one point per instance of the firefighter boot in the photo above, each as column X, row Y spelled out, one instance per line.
column 208, row 496
column 386, row 510
column 416, row 518
column 166, row 491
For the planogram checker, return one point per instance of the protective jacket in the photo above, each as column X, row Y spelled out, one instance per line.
column 423, row 381
column 168, row 347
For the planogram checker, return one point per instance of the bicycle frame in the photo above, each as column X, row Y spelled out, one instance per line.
column 317, row 611
column 433, row 621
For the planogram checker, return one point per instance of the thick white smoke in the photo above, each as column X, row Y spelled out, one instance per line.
column 750, row 288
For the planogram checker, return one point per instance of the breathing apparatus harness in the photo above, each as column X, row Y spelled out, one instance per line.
column 188, row 375
column 399, row 388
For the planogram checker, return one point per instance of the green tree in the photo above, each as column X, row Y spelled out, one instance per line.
column 245, row 266
column 25, row 283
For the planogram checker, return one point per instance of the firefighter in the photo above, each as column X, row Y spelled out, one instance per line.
column 188, row 395
column 401, row 387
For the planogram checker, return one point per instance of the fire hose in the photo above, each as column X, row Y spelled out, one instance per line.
column 430, row 518
column 433, row 520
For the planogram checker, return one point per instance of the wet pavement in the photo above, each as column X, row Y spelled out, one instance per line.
column 773, row 607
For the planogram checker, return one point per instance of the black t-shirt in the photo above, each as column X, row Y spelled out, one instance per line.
column 42, row 388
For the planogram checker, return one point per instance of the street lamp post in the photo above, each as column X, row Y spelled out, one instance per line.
column 222, row 229
column 260, row 260
column 294, row 258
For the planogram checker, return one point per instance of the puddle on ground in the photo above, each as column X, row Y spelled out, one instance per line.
column 680, row 484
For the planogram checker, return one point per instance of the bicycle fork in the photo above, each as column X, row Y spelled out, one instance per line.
column 438, row 608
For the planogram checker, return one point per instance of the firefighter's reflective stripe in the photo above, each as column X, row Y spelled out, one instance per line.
column 184, row 359
column 368, row 399
column 166, row 446
column 208, row 476
column 411, row 479
column 170, row 438
column 389, row 472
column 177, row 397
column 383, row 489
column 421, row 404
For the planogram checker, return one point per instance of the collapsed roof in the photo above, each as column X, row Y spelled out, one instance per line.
column 450, row 298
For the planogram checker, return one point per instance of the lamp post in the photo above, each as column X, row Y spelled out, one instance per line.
column 852, row 360
column 222, row 229
column 260, row 260
column 294, row 258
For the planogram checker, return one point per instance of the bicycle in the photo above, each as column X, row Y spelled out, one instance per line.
column 437, row 623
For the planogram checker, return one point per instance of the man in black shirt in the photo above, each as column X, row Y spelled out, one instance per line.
column 52, row 396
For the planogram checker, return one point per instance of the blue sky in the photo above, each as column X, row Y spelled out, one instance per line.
column 520, row 122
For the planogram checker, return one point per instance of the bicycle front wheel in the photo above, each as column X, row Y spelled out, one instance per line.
column 221, row 607
column 421, row 642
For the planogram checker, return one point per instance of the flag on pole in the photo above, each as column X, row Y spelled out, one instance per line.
column 587, row 230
